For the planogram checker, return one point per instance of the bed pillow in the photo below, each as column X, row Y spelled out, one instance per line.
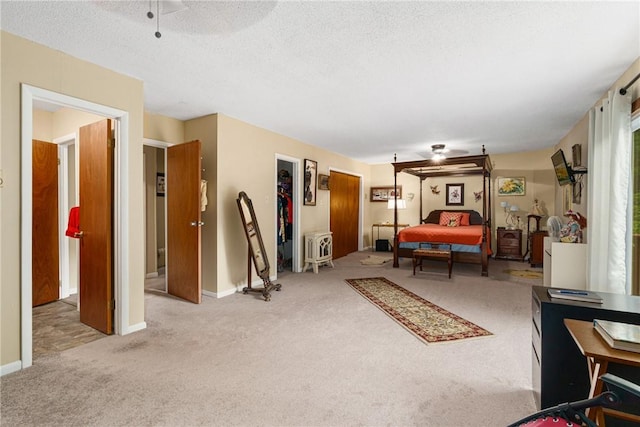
column 450, row 219
column 465, row 218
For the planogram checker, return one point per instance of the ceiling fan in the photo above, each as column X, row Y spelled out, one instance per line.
column 164, row 7
column 440, row 152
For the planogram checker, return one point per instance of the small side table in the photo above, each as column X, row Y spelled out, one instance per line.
column 382, row 224
column 599, row 354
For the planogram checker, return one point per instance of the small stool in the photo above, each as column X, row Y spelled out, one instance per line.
column 435, row 251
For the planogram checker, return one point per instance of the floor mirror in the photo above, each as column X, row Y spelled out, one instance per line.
column 257, row 253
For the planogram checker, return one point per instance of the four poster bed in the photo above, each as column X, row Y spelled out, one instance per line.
column 469, row 231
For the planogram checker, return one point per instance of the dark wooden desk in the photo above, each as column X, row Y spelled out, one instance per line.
column 559, row 373
column 599, row 354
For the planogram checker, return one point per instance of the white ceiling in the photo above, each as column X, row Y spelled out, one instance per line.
column 366, row 79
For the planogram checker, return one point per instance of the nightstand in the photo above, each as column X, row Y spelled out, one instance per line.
column 509, row 244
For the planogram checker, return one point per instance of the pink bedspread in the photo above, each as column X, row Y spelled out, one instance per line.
column 464, row 235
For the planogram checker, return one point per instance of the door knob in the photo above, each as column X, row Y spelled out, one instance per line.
column 78, row 234
column 197, row 223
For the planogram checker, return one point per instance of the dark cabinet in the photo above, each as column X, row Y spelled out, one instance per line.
column 536, row 248
column 509, row 244
column 559, row 370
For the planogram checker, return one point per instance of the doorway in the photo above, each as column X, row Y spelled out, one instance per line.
column 29, row 95
column 67, row 199
column 155, row 215
column 67, row 306
column 287, row 218
column 174, row 199
column 345, row 216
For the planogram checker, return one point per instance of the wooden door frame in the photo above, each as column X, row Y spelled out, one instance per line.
column 121, row 208
column 295, row 199
column 360, row 204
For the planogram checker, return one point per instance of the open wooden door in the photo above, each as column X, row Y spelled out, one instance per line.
column 184, row 261
column 344, row 211
column 45, row 256
column 96, row 224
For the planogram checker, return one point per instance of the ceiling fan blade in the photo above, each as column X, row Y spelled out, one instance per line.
column 171, row 6
column 455, row 153
column 446, row 152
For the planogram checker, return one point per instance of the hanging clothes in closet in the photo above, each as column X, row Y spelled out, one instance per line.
column 284, row 219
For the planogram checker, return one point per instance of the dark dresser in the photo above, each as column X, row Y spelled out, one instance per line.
column 559, row 369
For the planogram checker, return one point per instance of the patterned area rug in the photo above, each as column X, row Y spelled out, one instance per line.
column 424, row 319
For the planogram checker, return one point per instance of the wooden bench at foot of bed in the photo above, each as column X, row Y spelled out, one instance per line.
column 458, row 257
column 440, row 251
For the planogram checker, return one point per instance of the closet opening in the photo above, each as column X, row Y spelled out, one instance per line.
column 287, row 224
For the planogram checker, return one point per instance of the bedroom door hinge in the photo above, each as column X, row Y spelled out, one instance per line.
column 58, row 161
column 112, row 305
column 111, row 143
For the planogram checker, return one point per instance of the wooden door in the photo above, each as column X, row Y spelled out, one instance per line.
column 45, row 262
column 96, row 220
column 344, row 213
column 184, row 263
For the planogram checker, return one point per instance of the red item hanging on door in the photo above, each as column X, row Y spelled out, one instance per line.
column 73, row 228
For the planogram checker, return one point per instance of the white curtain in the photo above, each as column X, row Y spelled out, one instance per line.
column 609, row 187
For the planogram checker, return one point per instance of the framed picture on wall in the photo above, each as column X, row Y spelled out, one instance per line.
column 455, row 194
column 567, row 198
column 387, row 192
column 323, row 182
column 160, row 184
column 310, row 182
column 511, row 186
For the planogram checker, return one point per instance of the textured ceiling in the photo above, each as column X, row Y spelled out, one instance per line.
column 366, row 79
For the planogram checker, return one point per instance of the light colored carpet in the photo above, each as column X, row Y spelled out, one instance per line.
column 317, row 354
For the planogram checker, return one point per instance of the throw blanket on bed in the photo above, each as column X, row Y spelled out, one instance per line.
column 467, row 235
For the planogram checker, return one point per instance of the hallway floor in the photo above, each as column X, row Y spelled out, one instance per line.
column 57, row 327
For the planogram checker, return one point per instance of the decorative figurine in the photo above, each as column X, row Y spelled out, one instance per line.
column 572, row 231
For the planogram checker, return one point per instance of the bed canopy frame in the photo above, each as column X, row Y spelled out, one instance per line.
column 454, row 166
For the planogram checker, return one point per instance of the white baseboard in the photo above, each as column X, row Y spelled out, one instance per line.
column 10, row 368
column 134, row 328
column 219, row 294
column 152, row 275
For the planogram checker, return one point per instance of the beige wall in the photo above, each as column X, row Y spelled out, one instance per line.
column 579, row 134
column 43, row 125
column 246, row 161
column 537, row 169
column 163, row 128
column 26, row 62
column 67, row 121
